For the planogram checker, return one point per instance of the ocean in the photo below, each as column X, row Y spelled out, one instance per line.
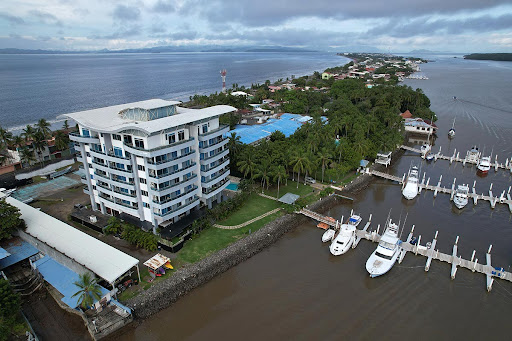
column 45, row 86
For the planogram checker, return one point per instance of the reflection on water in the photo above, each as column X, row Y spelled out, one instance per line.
column 296, row 289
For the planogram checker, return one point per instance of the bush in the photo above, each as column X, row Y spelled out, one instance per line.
column 9, row 307
column 326, row 191
column 114, row 226
column 10, row 217
column 136, row 236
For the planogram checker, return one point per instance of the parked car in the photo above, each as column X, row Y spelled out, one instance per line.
column 310, row 180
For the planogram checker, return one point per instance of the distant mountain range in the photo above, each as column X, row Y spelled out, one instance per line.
column 163, row 49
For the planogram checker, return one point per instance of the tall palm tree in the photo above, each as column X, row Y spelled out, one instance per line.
column 247, row 165
column 324, row 158
column 5, row 137
column 279, row 173
column 89, row 292
column 27, row 155
column 44, row 127
column 28, row 132
column 298, row 161
column 61, row 140
column 65, row 126
column 39, row 142
column 262, row 171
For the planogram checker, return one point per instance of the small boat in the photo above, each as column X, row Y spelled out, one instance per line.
column 451, row 132
column 386, row 254
column 345, row 237
column 430, row 157
column 461, row 196
column 484, row 165
column 473, row 155
column 425, row 148
column 328, row 235
column 410, row 190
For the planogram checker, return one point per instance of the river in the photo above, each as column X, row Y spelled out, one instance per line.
column 296, row 289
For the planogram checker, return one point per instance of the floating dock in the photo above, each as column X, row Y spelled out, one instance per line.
column 430, row 252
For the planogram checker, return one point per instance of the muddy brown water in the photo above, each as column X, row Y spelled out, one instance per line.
column 296, row 289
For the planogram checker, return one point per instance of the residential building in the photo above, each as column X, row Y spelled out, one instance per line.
column 152, row 160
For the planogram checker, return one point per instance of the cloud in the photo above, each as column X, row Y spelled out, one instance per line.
column 122, row 32
column 45, row 17
column 11, row 19
column 165, row 6
column 272, row 12
column 124, row 12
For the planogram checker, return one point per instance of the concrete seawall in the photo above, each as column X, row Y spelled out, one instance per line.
column 165, row 293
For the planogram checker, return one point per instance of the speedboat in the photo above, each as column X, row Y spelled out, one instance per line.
column 328, row 235
column 451, row 133
column 425, row 148
column 386, row 254
column 484, row 165
column 461, row 196
column 410, row 190
column 345, row 237
column 430, row 157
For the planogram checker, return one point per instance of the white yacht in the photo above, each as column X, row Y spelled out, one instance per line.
column 461, row 196
column 451, row 132
column 473, row 155
column 410, row 190
column 345, row 237
column 386, row 254
column 484, row 165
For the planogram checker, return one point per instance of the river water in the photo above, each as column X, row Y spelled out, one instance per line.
column 296, row 289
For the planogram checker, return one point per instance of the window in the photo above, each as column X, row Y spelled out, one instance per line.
column 205, row 128
column 119, row 166
column 86, row 133
column 128, row 139
column 139, row 143
column 174, row 155
column 181, row 135
column 141, row 167
column 144, row 193
column 123, row 190
column 116, row 137
column 201, row 144
column 145, row 204
column 94, row 187
column 186, row 164
column 118, row 151
column 142, row 180
column 171, row 138
column 185, row 151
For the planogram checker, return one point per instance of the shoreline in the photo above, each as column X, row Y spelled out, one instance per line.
column 186, row 279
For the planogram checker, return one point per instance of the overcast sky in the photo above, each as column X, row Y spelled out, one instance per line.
column 334, row 25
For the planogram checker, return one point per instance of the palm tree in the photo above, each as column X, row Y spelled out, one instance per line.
column 324, row 158
column 39, row 142
column 65, row 126
column 28, row 132
column 90, row 290
column 5, row 137
column 298, row 161
column 279, row 173
column 27, row 155
column 247, row 165
column 44, row 127
column 61, row 140
column 262, row 171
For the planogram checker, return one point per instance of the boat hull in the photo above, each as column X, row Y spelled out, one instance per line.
column 383, row 267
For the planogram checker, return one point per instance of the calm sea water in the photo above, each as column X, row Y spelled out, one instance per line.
column 297, row 290
column 45, row 86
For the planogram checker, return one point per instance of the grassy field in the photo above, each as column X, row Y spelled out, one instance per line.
column 252, row 208
column 214, row 239
column 302, row 190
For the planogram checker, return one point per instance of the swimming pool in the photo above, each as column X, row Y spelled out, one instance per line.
column 232, row 186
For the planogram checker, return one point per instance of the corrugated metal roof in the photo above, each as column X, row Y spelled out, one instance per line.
column 105, row 261
column 3, row 253
column 18, row 250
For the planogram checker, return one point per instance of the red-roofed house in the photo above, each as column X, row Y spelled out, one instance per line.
column 406, row 114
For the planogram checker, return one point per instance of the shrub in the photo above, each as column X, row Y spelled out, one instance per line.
column 326, row 191
column 114, row 226
column 136, row 236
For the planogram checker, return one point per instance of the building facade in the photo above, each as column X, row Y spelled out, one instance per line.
column 152, row 160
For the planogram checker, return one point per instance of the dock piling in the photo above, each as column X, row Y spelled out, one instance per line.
column 430, row 252
column 454, row 259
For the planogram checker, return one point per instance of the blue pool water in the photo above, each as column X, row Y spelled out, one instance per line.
column 232, row 186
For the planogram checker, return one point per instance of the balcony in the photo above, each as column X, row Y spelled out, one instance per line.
column 119, row 171
column 122, row 206
column 104, row 176
column 224, row 162
column 76, row 137
column 179, row 210
column 219, row 155
column 104, row 186
column 158, row 150
column 177, row 172
column 175, row 197
column 222, row 142
column 223, row 129
column 215, row 177
column 215, row 189
column 183, row 182
column 163, row 164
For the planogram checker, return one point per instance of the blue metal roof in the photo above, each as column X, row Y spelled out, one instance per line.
column 62, row 279
column 19, row 250
column 287, row 124
column 3, row 253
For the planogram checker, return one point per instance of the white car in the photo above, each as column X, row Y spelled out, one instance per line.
column 310, row 180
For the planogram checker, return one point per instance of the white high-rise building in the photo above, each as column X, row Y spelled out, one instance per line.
column 152, row 160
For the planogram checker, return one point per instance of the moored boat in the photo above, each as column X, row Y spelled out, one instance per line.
column 328, row 235
column 484, row 165
column 345, row 238
column 460, row 199
column 410, row 190
column 386, row 254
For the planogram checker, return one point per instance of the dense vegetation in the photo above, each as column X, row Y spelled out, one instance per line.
column 490, row 56
column 10, row 220
column 361, row 122
column 10, row 304
column 132, row 234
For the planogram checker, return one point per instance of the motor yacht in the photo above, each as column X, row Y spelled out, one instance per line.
column 386, row 254
column 460, row 199
column 410, row 190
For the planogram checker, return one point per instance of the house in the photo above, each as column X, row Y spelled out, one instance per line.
column 327, row 75
column 152, row 162
column 239, row 93
column 406, row 114
column 419, row 126
column 274, row 88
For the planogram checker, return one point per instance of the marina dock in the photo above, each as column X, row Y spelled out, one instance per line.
column 428, row 251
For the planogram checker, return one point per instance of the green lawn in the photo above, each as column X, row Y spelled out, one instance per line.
column 302, row 190
column 214, row 239
column 253, row 207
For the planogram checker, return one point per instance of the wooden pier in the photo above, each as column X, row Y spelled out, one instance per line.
column 504, row 198
column 430, row 252
column 507, row 165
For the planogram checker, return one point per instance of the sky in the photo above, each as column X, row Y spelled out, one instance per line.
column 329, row 25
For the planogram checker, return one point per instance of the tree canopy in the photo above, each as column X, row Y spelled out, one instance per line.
column 10, row 218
